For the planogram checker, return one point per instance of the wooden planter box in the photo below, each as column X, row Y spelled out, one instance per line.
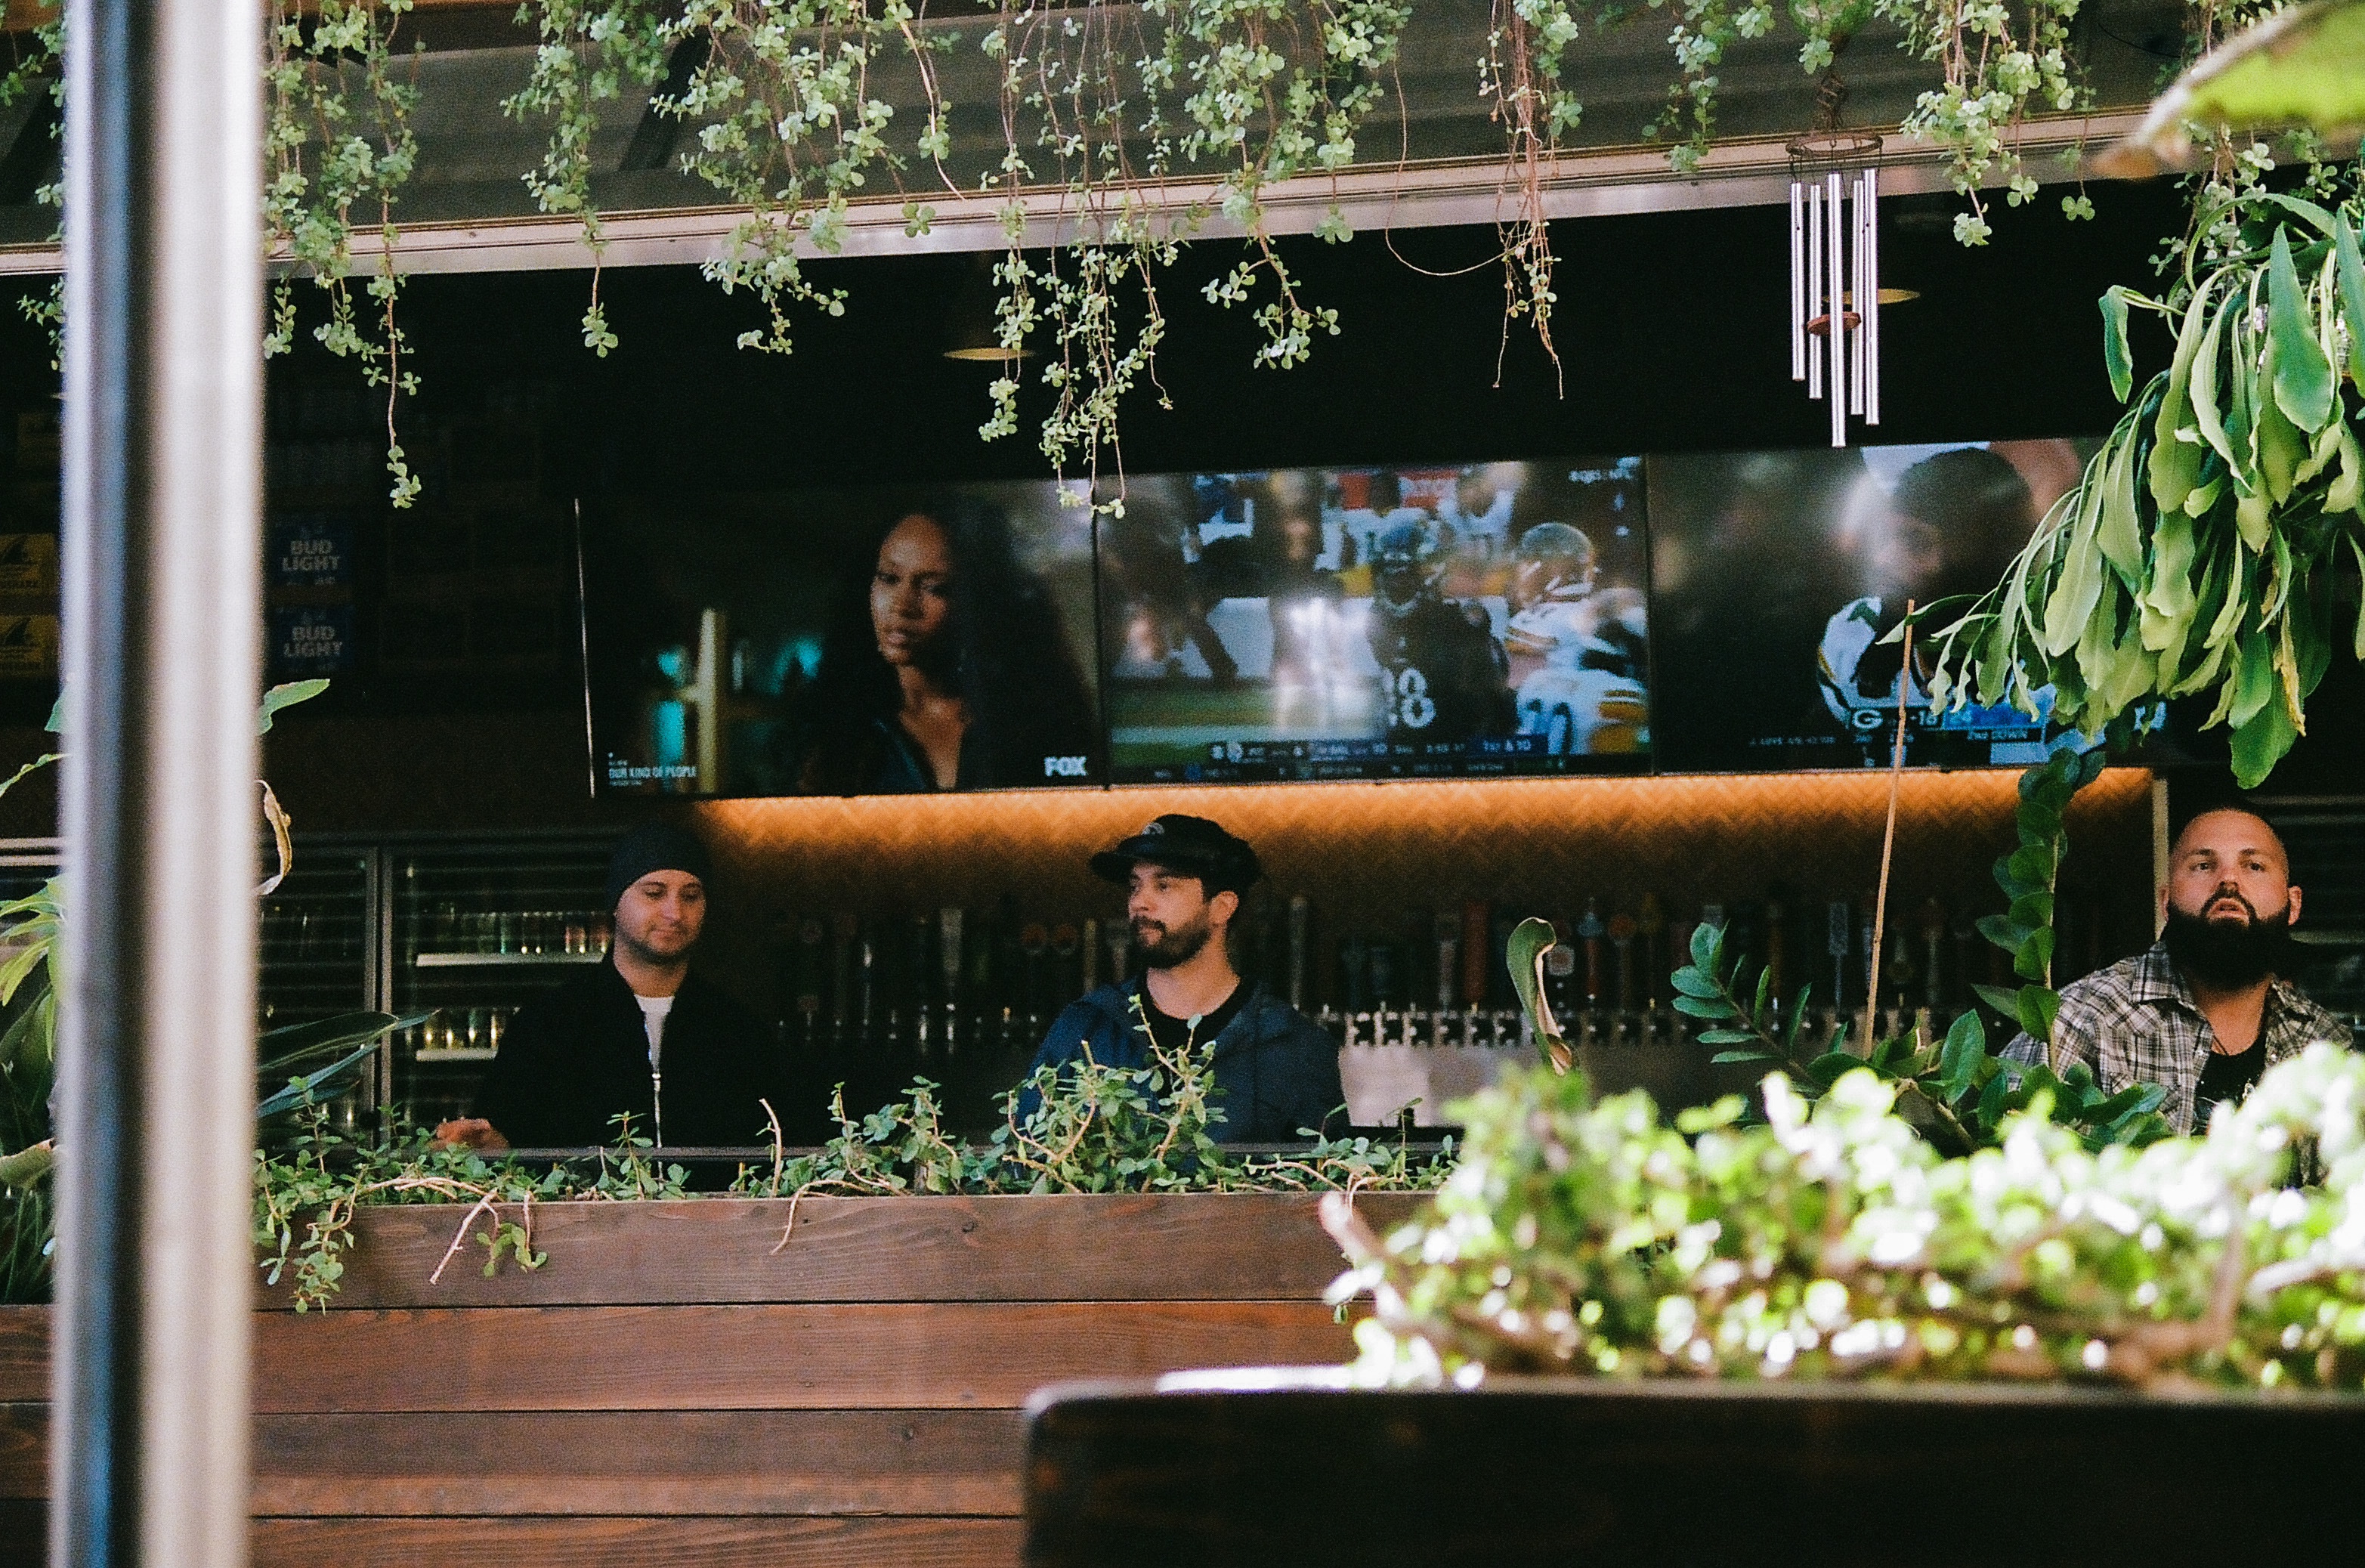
column 675, row 1386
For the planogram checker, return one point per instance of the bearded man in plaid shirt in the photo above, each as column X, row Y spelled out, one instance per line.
column 2206, row 1009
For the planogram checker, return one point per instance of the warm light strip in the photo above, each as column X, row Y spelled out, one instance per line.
column 1692, row 836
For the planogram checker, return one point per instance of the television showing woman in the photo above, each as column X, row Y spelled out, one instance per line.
column 944, row 666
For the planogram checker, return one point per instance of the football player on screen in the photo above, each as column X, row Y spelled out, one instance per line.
column 1444, row 677
column 1578, row 651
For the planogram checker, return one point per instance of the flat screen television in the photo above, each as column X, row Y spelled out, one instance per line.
column 847, row 641
column 1777, row 577
column 1377, row 623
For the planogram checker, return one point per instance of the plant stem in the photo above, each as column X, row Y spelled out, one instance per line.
column 1888, row 842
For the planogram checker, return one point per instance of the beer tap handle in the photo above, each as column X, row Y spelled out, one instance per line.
column 1621, row 939
column 1934, row 937
column 1838, row 938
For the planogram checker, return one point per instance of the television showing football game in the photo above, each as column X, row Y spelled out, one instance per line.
column 1377, row 622
column 1779, row 576
column 854, row 640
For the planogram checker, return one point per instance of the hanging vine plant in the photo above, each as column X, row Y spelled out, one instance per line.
column 2211, row 543
column 338, row 140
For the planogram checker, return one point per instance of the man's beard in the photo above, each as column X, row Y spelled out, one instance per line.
column 1172, row 949
column 2229, row 953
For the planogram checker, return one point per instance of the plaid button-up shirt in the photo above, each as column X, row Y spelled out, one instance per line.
column 2135, row 1023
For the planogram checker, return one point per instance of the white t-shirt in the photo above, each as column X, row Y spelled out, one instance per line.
column 653, row 1018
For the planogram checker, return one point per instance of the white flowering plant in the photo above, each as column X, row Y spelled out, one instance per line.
column 1589, row 1237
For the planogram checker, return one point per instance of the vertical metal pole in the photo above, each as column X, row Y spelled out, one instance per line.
column 1856, row 299
column 1835, row 242
column 1815, row 289
column 1797, row 282
column 162, row 427
column 1870, row 288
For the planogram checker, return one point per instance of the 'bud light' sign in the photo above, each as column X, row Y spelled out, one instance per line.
column 311, row 639
column 311, row 550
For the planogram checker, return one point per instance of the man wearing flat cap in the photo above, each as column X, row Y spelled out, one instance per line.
column 639, row 1032
column 1277, row 1070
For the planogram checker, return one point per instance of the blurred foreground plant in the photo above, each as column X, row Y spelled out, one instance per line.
column 1833, row 1241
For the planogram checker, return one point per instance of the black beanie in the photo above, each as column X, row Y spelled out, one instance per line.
column 655, row 846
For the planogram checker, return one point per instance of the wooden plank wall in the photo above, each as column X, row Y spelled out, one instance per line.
column 676, row 1384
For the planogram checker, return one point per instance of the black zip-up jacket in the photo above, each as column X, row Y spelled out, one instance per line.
column 573, row 1061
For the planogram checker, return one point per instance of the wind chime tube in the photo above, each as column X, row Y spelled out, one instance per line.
column 1836, row 328
column 1815, row 287
column 1870, row 288
column 1798, row 282
column 1858, row 302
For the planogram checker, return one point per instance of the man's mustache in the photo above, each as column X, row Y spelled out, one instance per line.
column 2230, row 895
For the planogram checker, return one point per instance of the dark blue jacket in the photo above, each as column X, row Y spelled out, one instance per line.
column 1278, row 1070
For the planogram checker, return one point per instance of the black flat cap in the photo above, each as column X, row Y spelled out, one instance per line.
column 1186, row 843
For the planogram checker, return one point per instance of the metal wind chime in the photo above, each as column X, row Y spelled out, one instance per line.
column 1835, row 275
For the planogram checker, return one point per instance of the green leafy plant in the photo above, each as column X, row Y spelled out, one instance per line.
column 1091, row 1129
column 1085, row 1127
column 297, row 1067
column 1953, row 1090
column 2027, row 875
column 2213, row 536
column 1588, row 1238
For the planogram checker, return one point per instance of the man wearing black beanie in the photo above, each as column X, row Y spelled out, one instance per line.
column 637, row 1035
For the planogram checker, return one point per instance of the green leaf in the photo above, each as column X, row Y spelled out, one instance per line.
column 2165, row 610
column 1692, row 982
column 1826, row 1069
column 1732, row 1059
column 2260, row 741
column 1702, row 1007
column 2115, row 357
column 285, row 696
column 1993, row 1098
column 2116, row 533
column 2175, row 462
column 2348, row 275
column 1958, row 1061
column 1707, row 946
column 26, row 1167
column 2004, row 999
column 2302, row 378
column 281, row 1051
column 2037, row 1006
column 325, row 1084
column 2034, row 960
column 2003, row 931
column 31, row 1041
column 2079, row 584
column 2207, row 418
